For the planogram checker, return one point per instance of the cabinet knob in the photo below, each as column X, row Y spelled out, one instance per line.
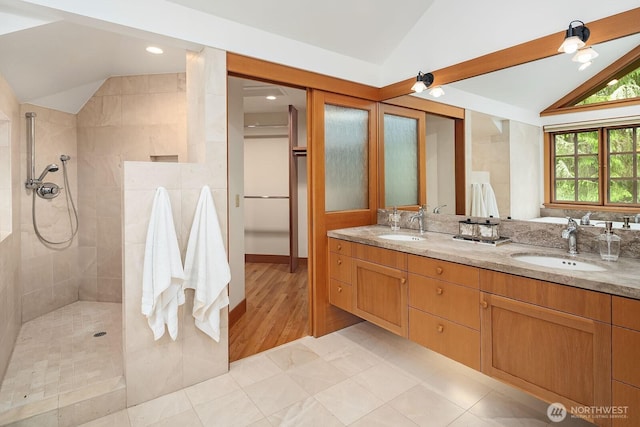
column 439, row 291
column 339, row 289
column 440, row 329
column 439, row 270
column 339, row 247
column 403, row 280
column 339, row 261
column 484, row 304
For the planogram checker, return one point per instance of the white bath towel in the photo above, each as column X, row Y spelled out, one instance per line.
column 162, row 274
column 478, row 207
column 490, row 202
column 206, row 267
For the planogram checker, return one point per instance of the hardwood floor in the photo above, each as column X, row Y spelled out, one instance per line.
column 277, row 309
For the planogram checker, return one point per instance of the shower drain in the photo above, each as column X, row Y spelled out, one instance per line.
column 99, row 334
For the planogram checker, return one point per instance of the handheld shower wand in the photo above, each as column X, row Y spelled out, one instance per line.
column 50, row 168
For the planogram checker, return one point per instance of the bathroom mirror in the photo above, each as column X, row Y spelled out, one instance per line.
column 504, row 129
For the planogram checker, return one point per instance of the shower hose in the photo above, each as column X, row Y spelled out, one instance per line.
column 70, row 204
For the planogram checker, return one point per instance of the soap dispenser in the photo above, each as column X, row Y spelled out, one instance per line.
column 394, row 219
column 609, row 243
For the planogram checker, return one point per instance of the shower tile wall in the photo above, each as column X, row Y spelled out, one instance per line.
column 129, row 118
column 49, row 276
column 10, row 290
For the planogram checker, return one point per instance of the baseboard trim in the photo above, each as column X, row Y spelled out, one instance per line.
column 269, row 259
column 236, row 313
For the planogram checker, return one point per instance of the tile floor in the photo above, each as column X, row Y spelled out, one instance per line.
column 57, row 357
column 359, row 376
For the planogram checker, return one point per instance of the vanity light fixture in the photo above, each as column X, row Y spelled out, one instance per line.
column 436, row 91
column 575, row 37
column 586, row 54
column 155, row 50
column 423, row 81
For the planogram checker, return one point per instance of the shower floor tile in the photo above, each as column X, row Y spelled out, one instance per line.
column 57, row 353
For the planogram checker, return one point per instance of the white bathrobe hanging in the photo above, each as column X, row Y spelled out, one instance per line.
column 206, row 267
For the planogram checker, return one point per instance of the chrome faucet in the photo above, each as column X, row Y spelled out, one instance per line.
column 571, row 234
column 420, row 217
column 436, row 210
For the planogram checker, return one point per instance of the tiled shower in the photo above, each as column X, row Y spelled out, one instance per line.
column 65, row 297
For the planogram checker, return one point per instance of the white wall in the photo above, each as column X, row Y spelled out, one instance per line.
column 235, row 116
column 440, row 154
column 526, row 170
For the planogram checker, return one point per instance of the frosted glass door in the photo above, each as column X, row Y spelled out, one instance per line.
column 400, row 160
column 346, row 147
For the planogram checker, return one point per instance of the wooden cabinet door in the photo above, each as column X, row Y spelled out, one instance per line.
column 380, row 295
column 556, row 356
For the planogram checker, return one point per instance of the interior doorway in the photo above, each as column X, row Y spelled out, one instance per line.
column 268, row 216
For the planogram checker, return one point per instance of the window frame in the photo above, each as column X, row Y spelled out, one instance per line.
column 603, row 176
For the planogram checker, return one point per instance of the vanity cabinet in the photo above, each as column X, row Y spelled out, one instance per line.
column 444, row 313
column 340, row 268
column 626, row 359
column 369, row 282
column 551, row 340
column 380, row 287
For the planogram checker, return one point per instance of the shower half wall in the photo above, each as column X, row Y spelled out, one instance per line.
column 130, row 118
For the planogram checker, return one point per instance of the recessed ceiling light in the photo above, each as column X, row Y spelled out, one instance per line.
column 155, row 50
column 612, row 82
column 271, row 97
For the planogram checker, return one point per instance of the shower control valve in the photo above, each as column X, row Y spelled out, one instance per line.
column 48, row 190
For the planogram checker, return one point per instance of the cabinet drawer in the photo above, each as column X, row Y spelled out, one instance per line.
column 450, row 339
column 626, row 312
column 626, row 353
column 340, row 246
column 581, row 302
column 627, row 399
column 453, row 302
column 389, row 258
column 443, row 270
column 340, row 295
column 340, row 267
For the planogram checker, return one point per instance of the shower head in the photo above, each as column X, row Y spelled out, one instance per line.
column 50, row 168
column 64, row 158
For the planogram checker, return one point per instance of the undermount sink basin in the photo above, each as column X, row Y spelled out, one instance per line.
column 401, row 237
column 563, row 263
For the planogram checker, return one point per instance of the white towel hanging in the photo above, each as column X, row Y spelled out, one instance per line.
column 478, row 207
column 162, row 274
column 490, row 202
column 206, row 267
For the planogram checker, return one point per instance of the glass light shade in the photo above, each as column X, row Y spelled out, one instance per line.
column 584, row 66
column 585, row 55
column 436, row 92
column 571, row 44
column 418, row 87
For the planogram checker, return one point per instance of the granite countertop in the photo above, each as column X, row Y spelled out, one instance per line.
column 619, row 278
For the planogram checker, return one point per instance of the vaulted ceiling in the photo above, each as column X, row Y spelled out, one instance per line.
column 56, row 53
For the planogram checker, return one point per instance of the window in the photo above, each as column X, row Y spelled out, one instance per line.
column 596, row 166
column 623, row 160
column 625, row 87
